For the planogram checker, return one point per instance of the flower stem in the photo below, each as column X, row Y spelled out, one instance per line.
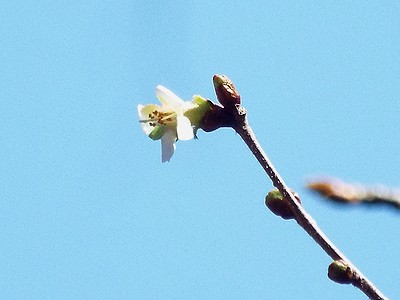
column 302, row 217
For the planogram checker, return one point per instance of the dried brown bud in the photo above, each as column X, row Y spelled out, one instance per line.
column 226, row 91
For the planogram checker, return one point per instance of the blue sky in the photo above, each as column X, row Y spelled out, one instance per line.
column 89, row 211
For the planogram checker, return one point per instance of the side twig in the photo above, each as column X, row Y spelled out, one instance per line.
column 350, row 193
column 302, row 217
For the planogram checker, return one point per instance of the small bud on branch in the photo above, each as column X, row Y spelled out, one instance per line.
column 278, row 205
column 226, row 92
column 340, row 272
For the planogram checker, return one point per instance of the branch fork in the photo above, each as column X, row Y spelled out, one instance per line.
column 236, row 113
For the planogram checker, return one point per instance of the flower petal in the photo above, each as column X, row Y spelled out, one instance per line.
column 184, row 128
column 144, row 112
column 168, row 98
column 168, row 145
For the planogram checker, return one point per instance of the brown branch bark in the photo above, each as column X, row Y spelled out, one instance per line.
column 301, row 216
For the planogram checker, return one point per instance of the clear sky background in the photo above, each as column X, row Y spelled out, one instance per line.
column 88, row 211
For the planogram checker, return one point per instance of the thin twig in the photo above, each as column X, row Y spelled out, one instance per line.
column 301, row 216
column 350, row 193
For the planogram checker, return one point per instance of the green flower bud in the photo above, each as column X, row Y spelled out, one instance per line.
column 340, row 272
column 278, row 205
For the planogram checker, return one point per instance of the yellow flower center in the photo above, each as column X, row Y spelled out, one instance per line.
column 161, row 118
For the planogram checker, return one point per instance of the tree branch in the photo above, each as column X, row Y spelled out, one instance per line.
column 301, row 216
column 349, row 193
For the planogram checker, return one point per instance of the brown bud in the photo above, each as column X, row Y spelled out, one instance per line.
column 216, row 117
column 226, row 91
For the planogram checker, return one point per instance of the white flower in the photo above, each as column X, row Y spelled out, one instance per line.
column 174, row 119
